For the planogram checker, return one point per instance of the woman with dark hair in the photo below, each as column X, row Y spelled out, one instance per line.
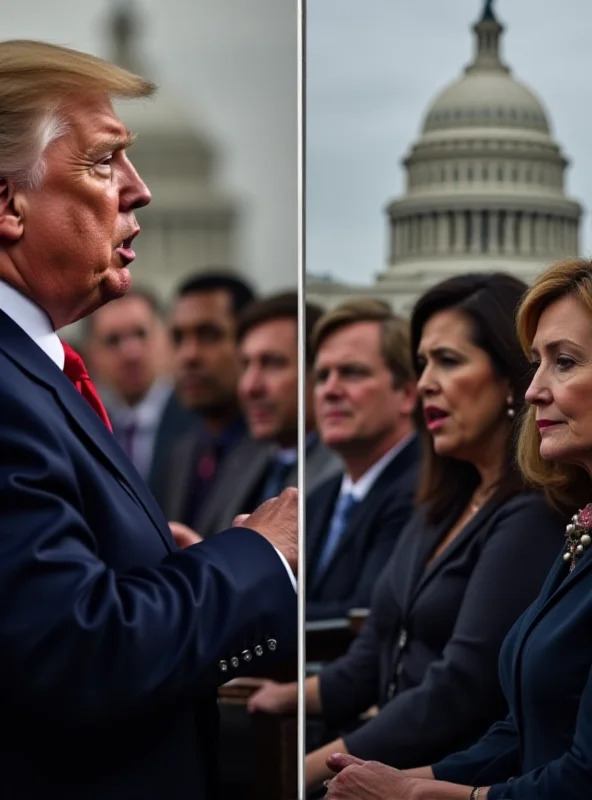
column 471, row 559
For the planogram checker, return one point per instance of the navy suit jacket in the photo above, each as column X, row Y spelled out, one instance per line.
column 545, row 743
column 368, row 542
column 113, row 641
column 428, row 652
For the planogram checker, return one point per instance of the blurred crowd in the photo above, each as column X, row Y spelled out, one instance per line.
column 203, row 398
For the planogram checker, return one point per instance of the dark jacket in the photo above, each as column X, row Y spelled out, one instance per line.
column 113, row 641
column 428, row 652
column 545, row 743
column 368, row 542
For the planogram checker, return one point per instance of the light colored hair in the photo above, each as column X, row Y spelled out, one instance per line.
column 394, row 333
column 35, row 79
column 567, row 486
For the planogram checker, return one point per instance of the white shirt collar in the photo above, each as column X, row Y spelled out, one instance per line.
column 362, row 486
column 33, row 320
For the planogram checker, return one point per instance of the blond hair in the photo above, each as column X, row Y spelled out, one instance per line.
column 394, row 333
column 567, row 486
column 35, row 78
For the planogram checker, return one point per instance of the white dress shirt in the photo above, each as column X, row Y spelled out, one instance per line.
column 33, row 320
column 362, row 486
column 36, row 324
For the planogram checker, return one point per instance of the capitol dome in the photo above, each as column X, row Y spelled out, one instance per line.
column 485, row 183
column 486, row 98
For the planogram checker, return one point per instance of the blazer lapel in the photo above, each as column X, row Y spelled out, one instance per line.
column 182, row 474
column 558, row 583
column 364, row 514
column 23, row 351
column 429, row 570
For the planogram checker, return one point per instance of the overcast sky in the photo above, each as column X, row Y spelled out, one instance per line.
column 233, row 66
column 373, row 68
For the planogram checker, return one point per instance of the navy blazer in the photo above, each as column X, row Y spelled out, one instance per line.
column 546, row 674
column 428, row 653
column 113, row 641
column 368, row 542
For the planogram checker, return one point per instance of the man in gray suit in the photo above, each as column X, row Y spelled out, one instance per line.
column 205, row 365
column 265, row 462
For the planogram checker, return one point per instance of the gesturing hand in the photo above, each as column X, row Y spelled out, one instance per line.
column 366, row 780
column 277, row 521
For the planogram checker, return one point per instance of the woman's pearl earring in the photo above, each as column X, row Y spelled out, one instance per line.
column 510, row 411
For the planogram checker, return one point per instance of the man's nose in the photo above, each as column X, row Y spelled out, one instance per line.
column 250, row 383
column 135, row 193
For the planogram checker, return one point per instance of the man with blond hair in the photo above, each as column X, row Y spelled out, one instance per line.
column 364, row 399
column 113, row 639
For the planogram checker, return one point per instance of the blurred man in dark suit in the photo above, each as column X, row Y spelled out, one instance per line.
column 266, row 461
column 205, row 364
column 364, row 399
column 127, row 352
column 113, row 640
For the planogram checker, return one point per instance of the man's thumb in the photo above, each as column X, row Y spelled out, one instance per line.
column 339, row 761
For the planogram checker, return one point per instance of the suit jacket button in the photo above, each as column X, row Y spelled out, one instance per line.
column 246, row 655
column 258, row 650
column 223, row 665
column 271, row 645
column 235, row 662
column 392, row 687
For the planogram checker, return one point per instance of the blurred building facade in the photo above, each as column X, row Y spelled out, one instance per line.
column 190, row 223
column 485, row 186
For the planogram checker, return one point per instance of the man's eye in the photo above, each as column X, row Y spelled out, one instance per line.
column 106, row 161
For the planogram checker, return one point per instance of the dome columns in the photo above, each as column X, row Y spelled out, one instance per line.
column 486, row 230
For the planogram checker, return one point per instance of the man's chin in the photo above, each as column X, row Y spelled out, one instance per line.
column 115, row 284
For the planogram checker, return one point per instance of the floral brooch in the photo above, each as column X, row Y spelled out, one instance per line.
column 578, row 536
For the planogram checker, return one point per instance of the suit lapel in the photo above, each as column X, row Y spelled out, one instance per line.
column 558, row 583
column 241, row 470
column 28, row 357
column 428, row 572
column 364, row 514
column 182, row 475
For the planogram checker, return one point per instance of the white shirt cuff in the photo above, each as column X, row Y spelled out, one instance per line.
column 287, row 566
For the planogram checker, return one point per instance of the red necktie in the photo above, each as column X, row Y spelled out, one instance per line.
column 75, row 370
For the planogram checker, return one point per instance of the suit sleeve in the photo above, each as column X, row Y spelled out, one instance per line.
column 384, row 541
column 568, row 777
column 350, row 685
column 495, row 757
column 82, row 644
column 459, row 690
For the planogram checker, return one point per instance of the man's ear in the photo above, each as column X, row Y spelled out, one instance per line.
column 409, row 390
column 11, row 218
